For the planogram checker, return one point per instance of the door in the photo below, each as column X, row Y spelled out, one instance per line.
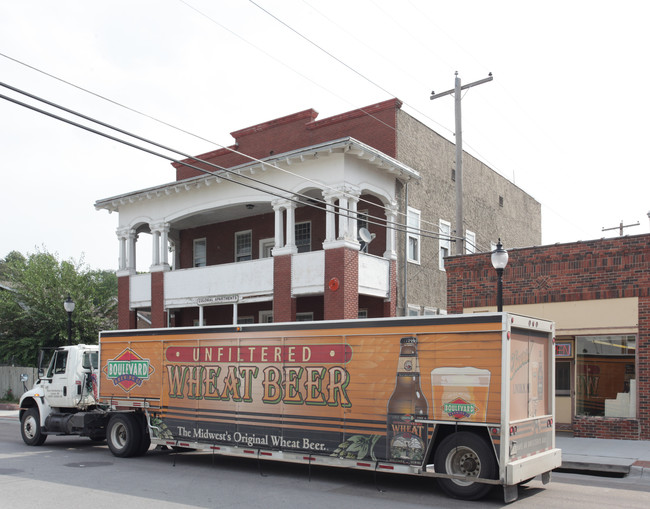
column 563, row 392
column 57, row 392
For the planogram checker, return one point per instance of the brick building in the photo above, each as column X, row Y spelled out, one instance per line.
column 268, row 229
column 598, row 293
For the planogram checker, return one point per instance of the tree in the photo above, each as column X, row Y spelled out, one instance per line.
column 31, row 304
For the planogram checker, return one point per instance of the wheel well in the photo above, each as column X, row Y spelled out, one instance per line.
column 24, row 405
column 442, row 431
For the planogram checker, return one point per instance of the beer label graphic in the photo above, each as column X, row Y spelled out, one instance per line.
column 459, row 409
column 128, row 370
column 406, row 439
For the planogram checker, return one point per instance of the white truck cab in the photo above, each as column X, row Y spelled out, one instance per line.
column 68, row 387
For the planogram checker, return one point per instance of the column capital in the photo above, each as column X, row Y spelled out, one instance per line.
column 161, row 227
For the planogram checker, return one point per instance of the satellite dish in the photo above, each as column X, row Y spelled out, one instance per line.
column 365, row 235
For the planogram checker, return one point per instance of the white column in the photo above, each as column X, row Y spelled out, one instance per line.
column 164, row 244
column 353, row 224
column 160, row 246
column 279, row 235
column 200, row 316
column 330, row 218
column 155, row 248
column 343, row 217
column 391, row 216
column 122, row 235
column 130, row 254
column 291, row 224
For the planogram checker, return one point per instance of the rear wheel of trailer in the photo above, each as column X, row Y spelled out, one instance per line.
column 465, row 454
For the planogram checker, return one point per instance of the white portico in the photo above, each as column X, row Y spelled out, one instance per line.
column 256, row 236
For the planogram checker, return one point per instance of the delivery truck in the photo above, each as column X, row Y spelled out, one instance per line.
column 465, row 399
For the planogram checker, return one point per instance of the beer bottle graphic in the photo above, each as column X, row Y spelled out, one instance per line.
column 406, row 438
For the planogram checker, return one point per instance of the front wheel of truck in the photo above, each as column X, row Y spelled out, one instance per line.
column 467, row 454
column 123, row 435
column 30, row 427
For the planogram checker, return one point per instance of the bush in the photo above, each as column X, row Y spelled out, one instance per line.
column 9, row 397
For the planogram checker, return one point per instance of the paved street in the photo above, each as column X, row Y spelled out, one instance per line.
column 69, row 471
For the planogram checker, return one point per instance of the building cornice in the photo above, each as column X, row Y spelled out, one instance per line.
column 347, row 145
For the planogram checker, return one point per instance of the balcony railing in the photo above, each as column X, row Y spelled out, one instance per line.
column 253, row 280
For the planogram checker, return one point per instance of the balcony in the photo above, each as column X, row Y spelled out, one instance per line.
column 252, row 281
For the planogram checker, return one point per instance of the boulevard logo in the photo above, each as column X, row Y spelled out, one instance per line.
column 128, row 370
column 459, row 409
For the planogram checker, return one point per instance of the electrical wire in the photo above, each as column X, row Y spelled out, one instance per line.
column 279, row 192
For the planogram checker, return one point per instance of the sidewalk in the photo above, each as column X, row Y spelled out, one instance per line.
column 601, row 455
column 580, row 454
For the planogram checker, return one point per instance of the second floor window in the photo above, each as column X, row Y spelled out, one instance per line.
column 200, row 253
column 445, row 241
column 413, row 234
column 243, row 246
column 470, row 242
column 303, row 237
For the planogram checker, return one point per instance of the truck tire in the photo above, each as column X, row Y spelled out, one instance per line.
column 123, row 435
column 465, row 453
column 30, row 427
column 145, row 441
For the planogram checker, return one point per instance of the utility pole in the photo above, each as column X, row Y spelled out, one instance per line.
column 460, row 234
column 621, row 226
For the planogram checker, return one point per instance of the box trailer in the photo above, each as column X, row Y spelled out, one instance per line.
column 465, row 399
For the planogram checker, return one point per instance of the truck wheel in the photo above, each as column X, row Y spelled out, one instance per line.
column 30, row 427
column 123, row 435
column 145, row 441
column 465, row 453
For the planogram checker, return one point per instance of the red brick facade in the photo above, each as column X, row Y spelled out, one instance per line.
column 126, row 317
column 373, row 125
column 284, row 305
column 341, row 284
column 593, row 270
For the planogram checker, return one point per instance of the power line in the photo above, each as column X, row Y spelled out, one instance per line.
column 281, row 192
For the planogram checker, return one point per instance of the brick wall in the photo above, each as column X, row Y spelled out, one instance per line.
column 373, row 125
column 341, row 302
column 598, row 269
column 284, row 306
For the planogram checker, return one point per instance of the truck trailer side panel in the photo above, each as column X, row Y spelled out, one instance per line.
column 322, row 390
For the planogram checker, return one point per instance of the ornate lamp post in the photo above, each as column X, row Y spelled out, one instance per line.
column 68, row 305
column 499, row 262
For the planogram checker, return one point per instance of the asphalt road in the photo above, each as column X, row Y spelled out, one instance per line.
column 68, row 472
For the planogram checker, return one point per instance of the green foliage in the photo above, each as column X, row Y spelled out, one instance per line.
column 31, row 311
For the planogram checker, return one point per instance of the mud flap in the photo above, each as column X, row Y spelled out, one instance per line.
column 510, row 493
column 546, row 477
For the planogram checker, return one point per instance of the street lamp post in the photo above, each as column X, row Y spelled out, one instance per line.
column 499, row 262
column 68, row 305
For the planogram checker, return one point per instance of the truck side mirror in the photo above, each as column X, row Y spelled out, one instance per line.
column 41, row 371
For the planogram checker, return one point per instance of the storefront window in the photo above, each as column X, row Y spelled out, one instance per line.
column 605, row 376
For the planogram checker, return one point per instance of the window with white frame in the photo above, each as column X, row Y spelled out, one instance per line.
column 413, row 235
column 266, row 247
column 470, row 242
column 200, row 253
column 303, row 237
column 243, row 246
column 304, row 317
column 413, row 310
column 363, row 313
column 444, row 241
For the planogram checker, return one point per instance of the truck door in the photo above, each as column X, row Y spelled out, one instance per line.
column 56, row 387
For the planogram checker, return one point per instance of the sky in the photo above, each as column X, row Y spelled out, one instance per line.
column 565, row 117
